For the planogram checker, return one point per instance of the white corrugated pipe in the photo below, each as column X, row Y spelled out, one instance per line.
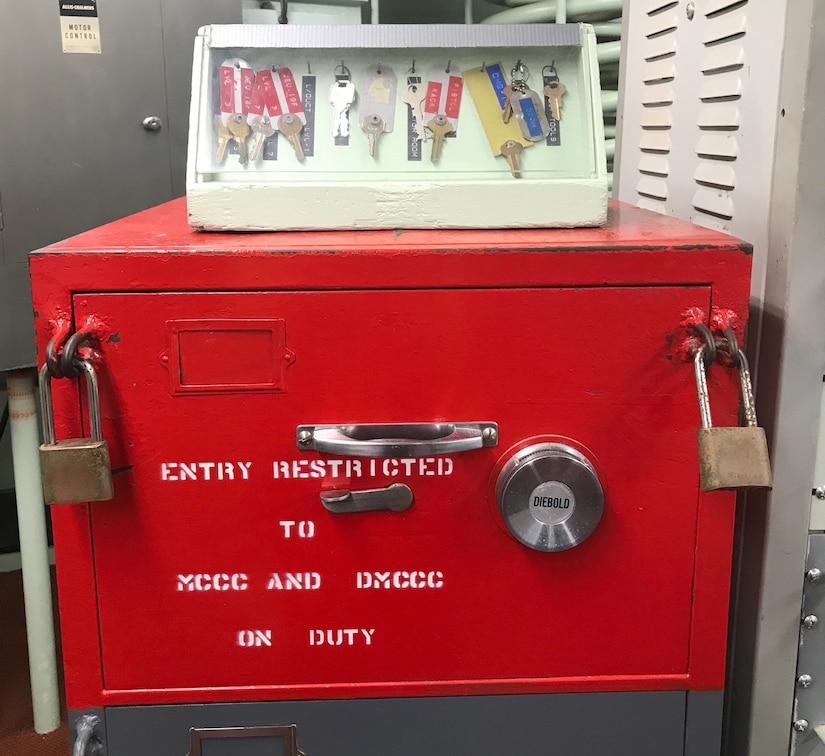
column 34, row 553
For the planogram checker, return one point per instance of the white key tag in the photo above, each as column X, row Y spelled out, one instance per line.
column 528, row 107
column 236, row 83
column 445, row 85
column 378, row 95
column 341, row 97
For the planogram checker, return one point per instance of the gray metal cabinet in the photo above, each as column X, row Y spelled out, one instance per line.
column 74, row 152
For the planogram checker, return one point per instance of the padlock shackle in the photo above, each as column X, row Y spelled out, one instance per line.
column 92, row 396
column 746, row 388
column 702, row 387
column 47, row 408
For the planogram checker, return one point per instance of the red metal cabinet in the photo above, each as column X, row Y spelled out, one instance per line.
column 216, row 575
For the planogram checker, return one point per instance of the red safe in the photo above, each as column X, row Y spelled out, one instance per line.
column 395, row 492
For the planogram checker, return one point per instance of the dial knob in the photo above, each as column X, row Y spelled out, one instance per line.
column 550, row 496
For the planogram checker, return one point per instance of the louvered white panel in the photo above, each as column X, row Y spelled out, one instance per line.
column 714, row 202
column 654, row 165
column 661, row 47
column 684, row 114
column 727, row 57
column 655, row 141
column 723, row 86
column 715, row 7
column 656, row 119
column 649, row 204
column 718, row 175
column 653, row 188
column 657, row 6
column 662, row 23
column 725, row 27
column 657, row 94
column 719, row 116
column 711, row 222
column 718, row 146
column 662, row 70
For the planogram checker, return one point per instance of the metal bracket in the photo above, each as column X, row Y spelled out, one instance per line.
column 808, row 737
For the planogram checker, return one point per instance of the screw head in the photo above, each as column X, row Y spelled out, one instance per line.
column 801, row 725
column 489, row 433
column 304, row 438
column 814, row 575
column 804, row 681
column 819, row 492
column 810, row 621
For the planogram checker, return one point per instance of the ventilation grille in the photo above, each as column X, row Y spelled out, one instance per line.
column 658, row 75
column 719, row 115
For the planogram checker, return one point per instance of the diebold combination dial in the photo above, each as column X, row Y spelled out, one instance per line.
column 550, row 496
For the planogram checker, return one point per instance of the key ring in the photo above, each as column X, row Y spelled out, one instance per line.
column 552, row 68
column 345, row 72
column 522, row 71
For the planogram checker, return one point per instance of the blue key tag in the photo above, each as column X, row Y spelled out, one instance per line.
column 528, row 107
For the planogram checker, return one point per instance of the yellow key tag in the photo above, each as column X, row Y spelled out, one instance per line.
column 486, row 87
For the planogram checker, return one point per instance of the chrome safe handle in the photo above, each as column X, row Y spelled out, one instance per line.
column 395, row 498
column 396, row 439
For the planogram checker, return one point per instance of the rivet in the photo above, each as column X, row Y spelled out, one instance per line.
column 804, row 681
column 801, row 725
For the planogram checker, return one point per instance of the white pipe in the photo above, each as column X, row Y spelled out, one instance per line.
column 561, row 11
column 610, row 100
column 468, row 11
column 34, row 555
column 543, row 12
column 374, row 11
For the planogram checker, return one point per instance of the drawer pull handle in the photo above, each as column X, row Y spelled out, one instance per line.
column 396, row 439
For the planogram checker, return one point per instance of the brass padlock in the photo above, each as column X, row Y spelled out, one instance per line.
column 730, row 458
column 76, row 469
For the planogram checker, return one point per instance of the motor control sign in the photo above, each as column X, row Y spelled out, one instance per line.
column 79, row 27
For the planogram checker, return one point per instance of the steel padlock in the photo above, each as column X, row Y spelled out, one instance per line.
column 730, row 458
column 74, row 470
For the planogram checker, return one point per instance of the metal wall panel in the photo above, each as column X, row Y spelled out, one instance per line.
column 81, row 157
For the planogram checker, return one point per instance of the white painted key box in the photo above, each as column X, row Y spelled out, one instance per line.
column 419, row 126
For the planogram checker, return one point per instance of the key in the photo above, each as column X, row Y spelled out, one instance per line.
column 414, row 95
column 290, row 126
column 262, row 129
column 373, row 126
column 440, row 127
column 511, row 149
column 224, row 138
column 341, row 96
column 239, row 129
column 554, row 91
column 507, row 113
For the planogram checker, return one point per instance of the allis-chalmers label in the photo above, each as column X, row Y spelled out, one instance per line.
column 309, row 468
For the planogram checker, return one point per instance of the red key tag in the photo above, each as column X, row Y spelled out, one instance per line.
column 266, row 96
column 237, row 83
column 444, row 89
column 288, row 93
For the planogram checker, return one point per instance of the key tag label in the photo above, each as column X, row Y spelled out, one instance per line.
column 486, row 87
column 288, row 93
column 528, row 107
column 416, row 133
column 444, row 88
column 237, row 83
column 549, row 77
column 379, row 95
